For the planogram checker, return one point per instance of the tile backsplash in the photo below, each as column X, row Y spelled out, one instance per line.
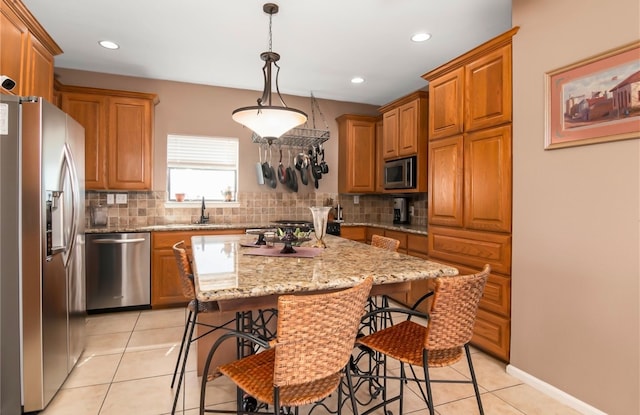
column 151, row 208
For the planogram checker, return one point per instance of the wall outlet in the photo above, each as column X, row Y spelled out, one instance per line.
column 110, row 200
column 410, row 210
column 121, row 198
column 356, row 200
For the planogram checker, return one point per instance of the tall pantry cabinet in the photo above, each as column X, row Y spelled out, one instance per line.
column 470, row 178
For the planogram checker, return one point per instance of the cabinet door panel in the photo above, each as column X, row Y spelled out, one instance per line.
column 488, row 90
column 417, row 245
column 408, row 124
column 492, row 333
column 400, row 236
column 446, row 181
column 129, row 162
column 13, row 48
column 471, row 248
column 166, row 288
column 355, row 233
column 487, row 170
column 372, row 230
column 39, row 70
column 446, row 105
column 357, row 154
column 90, row 111
column 497, row 292
column 390, row 134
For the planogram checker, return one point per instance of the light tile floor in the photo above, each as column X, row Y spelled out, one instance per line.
column 129, row 359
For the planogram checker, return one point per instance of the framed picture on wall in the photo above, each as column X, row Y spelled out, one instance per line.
column 594, row 100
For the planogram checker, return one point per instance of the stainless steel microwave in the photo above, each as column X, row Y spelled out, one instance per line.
column 400, row 173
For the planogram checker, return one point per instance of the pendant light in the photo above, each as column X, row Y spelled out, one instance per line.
column 265, row 119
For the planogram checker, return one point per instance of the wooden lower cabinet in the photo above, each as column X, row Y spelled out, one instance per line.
column 410, row 243
column 355, row 233
column 166, row 289
column 469, row 251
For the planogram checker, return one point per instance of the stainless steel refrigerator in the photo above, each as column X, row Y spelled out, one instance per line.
column 42, row 260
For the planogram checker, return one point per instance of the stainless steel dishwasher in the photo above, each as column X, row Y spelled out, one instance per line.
column 118, row 271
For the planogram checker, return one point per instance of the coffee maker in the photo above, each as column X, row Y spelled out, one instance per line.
column 400, row 210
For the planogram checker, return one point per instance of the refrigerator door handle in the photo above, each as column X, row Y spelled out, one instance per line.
column 69, row 173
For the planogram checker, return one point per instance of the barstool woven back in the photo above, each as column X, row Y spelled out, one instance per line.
column 316, row 333
column 184, row 270
column 385, row 242
column 453, row 311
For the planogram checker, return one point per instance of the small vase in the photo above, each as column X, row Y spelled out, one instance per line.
column 320, row 220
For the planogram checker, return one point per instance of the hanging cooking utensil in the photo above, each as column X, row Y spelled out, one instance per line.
column 273, row 180
column 316, row 170
column 259, row 172
column 282, row 171
column 293, row 177
column 323, row 164
column 292, row 182
column 266, row 168
column 304, row 169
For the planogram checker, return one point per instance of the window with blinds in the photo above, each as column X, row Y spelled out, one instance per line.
column 202, row 167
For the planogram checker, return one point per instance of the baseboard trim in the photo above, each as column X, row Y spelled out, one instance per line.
column 554, row 392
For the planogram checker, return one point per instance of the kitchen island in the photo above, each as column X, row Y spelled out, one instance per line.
column 226, row 271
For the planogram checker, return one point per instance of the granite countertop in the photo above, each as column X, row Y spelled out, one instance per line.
column 224, row 270
column 417, row 229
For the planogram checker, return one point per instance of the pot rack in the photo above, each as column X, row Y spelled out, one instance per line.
column 300, row 136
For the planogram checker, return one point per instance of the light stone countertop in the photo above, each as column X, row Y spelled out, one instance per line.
column 224, row 272
column 417, row 229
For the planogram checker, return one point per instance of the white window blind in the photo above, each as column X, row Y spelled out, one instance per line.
column 200, row 167
column 194, row 151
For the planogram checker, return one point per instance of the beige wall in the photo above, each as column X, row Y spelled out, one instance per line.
column 206, row 110
column 576, row 216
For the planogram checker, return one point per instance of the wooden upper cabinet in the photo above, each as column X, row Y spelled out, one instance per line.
column 379, row 157
column 129, row 161
column 405, row 126
column 90, row 110
column 390, row 134
column 26, row 51
column 356, row 154
column 39, row 76
column 446, row 97
column 118, row 136
column 488, row 90
column 487, row 171
column 14, row 37
column 446, row 164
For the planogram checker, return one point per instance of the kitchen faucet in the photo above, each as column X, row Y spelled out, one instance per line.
column 203, row 218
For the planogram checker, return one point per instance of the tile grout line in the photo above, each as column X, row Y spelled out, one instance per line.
column 115, row 372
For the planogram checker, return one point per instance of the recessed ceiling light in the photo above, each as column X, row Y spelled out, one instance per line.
column 357, row 80
column 421, row 37
column 107, row 44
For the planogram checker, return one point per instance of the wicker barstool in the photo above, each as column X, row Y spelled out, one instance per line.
column 439, row 343
column 389, row 244
column 305, row 363
column 194, row 307
column 385, row 242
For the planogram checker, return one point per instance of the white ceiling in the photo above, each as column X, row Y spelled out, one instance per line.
column 322, row 43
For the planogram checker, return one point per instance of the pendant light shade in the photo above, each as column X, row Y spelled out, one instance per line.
column 269, row 121
column 265, row 119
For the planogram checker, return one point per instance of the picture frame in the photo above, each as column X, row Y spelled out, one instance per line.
column 594, row 100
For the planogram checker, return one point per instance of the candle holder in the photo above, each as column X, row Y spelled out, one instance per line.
column 320, row 220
